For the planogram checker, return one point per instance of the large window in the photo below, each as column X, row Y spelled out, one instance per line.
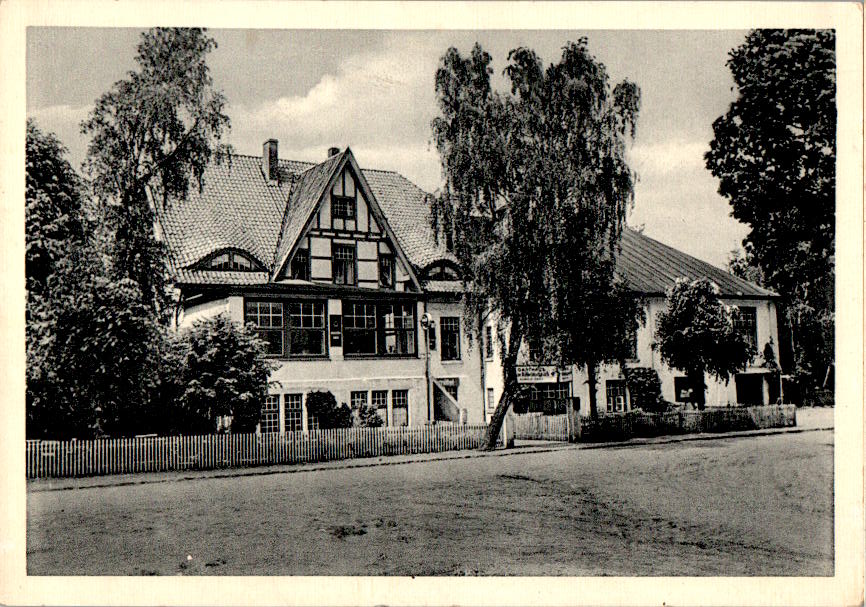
column 289, row 328
column 746, row 324
column 379, row 329
column 301, row 265
column 267, row 316
column 293, row 408
column 306, row 329
column 359, row 328
column 616, row 397
column 488, row 342
column 342, row 207
column 270, row 419
column 450, row 337
column 358, row 399
column 344, row 264
column 400, row 407
column 397, row 329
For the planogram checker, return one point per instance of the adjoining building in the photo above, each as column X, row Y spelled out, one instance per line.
column 339, row 269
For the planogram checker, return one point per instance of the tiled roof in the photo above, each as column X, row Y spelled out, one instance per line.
column 306, row 192
column 238, row 208
column 651, row 267
column 408, row 212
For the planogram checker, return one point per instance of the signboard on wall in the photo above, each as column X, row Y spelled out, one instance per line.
column 533, row 374
column 336, row 331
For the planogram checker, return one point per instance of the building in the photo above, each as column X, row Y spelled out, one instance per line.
column 339, row 269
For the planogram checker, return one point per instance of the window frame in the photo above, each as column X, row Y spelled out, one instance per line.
column 379, row 402
column 299, row 426
column 351, row 206
column 488, row 342
column 614, row 389
column 395, row 404
column 229, row 264
column 269, row 420
column 306, row 267
column 379, row 333
column 392, row 274
column 742, row 327
column 353, row 247
column 287, row 328
column 444, row 334
column 260, row 330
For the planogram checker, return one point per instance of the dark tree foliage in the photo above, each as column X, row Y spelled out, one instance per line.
column 369, row 418
column 774, row 153
column 645, row 389
column 535, row 198
column 153, row 134
column 323, row 406
column 696, row 334
column 223, row 371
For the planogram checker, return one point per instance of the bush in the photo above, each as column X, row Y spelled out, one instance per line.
column 369, row 418
column 645, row 389
column 323, row 406
column 223, row 371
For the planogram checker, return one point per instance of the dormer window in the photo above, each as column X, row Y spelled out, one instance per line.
column 442, row 271
column 342, row 207
column 232, row 261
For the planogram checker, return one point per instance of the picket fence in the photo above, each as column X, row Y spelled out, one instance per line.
column 541, row 427
column 163, row 453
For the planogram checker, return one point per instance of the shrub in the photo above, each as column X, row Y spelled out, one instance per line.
column 223, row 372
column 323, row 406
column 645, row 389
column 368, row 418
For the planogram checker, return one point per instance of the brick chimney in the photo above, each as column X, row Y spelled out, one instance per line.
column 333, row 152
column 269, row 160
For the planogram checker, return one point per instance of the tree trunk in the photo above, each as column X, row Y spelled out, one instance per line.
column 510, row 388
column 592, row 380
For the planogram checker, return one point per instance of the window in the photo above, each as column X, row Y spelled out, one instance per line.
column 450, row 331
column 488, row 342
column 685, row 391
column 400, row 407
column 396, row 329
column 231, row 260
column 344, row 264
column 380, row 403
column 491, row 402
column 306, row 329
column 746, row 324
column 270, row 419
column 358, row 399
column 359, row 328
column 386, row 271
column 383, row 329
column 301, row 265
column 294, row 412
column 616, row 398
column 301, row 334
column 267, row 316
column 342, row 207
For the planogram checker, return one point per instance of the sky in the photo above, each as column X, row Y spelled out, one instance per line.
column 373, row 91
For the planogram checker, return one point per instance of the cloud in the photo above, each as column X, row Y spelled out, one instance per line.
column 378, row 101
column 668, row 157
column 64, row 121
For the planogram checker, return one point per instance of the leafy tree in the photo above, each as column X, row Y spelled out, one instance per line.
column 696, row 334
column 369, row 418
column 536, row 191
column 645, row 389
column 323, row 406
column 151, row 135
column 223, row 372
column 774, row 153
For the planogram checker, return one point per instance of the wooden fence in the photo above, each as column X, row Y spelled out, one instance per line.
column 541, row 427
column 622, row 426
column 728, row 419
column 163, row 453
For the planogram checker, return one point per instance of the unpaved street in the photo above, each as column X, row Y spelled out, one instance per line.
column 739, row 506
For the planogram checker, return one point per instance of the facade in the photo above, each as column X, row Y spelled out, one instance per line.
column 341, row 273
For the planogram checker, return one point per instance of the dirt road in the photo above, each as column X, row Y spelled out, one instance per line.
column 747, row 506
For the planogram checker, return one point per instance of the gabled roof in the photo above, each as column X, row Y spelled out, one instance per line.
column 651, row 268
column 239, row 208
